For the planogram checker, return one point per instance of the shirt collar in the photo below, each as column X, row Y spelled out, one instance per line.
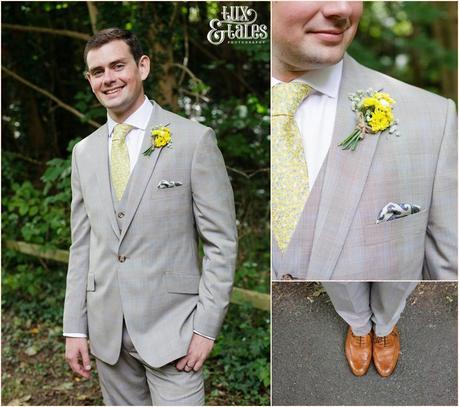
column 139, row 119
column 325, row 80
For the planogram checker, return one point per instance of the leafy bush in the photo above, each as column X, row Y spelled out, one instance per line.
column 40, row 216
column 35, row 288
column 240, row 359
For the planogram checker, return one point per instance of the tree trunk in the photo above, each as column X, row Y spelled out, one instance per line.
column 163, row 57
column 35, row 129
column 445, row 33
column 92, row 15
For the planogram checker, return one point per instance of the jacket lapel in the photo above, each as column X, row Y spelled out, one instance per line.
column 103, row 175
column 143, row 169
column 345, row 178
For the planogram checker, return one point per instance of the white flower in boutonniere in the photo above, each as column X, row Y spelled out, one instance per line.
column 160, row 137
column 374, row 114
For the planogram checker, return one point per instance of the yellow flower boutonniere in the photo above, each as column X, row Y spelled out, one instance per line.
column 160, row 137
column 374, row 114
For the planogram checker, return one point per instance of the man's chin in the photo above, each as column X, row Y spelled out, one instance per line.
column 324, row 56
column 114, row 105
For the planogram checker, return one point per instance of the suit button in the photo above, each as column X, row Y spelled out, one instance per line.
column 120, row 214
column 122, row 259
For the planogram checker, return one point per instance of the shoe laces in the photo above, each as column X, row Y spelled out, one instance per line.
column 360, row 338
column 382, row 339
column 385, row 339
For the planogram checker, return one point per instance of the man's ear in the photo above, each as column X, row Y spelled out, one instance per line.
column 144, row 67
column 88, row 78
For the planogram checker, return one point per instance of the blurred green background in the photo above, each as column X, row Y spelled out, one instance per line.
column 47, row 106
column 414, row 41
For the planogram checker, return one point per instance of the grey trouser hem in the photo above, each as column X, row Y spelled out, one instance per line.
column 366, row 304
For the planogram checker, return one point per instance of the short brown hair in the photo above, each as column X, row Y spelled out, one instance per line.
column 112, row 34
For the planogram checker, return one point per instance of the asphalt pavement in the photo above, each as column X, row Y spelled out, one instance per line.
column 309, row 366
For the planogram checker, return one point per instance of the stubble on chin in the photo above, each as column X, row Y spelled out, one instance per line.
column 316, row 57
column 113, row 105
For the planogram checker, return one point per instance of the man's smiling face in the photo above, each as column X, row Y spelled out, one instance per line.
column 312, row 34
column 116, row 79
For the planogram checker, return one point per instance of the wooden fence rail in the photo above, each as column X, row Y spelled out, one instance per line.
column 240, row 295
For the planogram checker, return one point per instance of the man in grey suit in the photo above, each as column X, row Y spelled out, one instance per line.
column 333, row 234
column 385, row 210
column 145, row 185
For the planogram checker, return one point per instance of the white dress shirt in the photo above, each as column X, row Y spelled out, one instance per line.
column 315, row 116
column 139, row 120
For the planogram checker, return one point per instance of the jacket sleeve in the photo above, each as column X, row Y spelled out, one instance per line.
column 75, row 317
column 213, row 207
column 440, row 261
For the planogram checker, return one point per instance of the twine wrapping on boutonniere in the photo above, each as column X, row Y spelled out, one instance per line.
column 374, row 115
column 160, row 137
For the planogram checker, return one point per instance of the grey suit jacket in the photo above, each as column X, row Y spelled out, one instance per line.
column 419, row 167
column 159, row 287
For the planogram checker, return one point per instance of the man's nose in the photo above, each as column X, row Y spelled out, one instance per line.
column 109, row 77
column 337, row 9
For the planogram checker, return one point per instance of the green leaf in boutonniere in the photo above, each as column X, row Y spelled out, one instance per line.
column 374, row 114
column 160, row 137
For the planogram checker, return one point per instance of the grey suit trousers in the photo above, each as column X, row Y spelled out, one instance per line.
column 131, row 381
column 364, row 304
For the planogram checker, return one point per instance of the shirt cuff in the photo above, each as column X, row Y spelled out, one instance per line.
column 204, row 336
column 75, row 335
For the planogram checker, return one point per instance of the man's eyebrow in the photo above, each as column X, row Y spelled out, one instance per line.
column 117, row 61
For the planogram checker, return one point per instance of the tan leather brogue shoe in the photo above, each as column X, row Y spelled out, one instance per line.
column 386, row 350
column 358, row 352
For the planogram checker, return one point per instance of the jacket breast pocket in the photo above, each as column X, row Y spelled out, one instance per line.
column 181, row 187
column 182, row 283
column 91, row 283
column 165, row 193
column 405, row 228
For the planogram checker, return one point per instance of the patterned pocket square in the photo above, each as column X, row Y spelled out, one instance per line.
column 168, row 184
column 394, row 211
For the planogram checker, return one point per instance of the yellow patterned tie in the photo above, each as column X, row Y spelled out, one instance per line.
column 290, row 182
column 119, row 163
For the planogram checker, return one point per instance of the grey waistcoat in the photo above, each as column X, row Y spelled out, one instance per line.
column 120, row 207
column 295, row 260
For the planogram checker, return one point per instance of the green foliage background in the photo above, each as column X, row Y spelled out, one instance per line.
column 226, row 87
column 414, row 41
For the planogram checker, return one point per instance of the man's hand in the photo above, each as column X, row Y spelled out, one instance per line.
column 77, row 355
column 198, row 351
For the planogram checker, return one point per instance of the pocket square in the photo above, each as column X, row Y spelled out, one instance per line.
column 168, row 184
column 394, row 211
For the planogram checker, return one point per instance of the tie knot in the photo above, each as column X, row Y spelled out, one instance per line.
column 286, row 97
column 121, row 130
